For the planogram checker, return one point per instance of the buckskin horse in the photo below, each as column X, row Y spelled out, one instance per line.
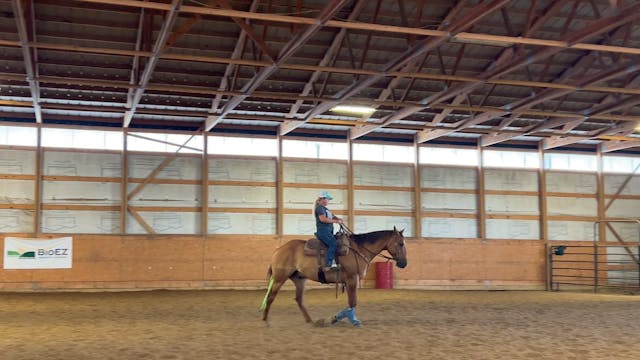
column 290, row 262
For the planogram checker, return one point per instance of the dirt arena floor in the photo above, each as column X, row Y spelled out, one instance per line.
column 398, row 324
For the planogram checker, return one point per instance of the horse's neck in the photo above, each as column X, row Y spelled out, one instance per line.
column 372, row 249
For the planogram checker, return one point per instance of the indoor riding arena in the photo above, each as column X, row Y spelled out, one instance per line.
column 172, row 172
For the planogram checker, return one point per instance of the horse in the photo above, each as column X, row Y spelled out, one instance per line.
column 290, row 262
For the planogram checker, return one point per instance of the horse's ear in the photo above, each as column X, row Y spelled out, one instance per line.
column 394, row 228
column 401, row 231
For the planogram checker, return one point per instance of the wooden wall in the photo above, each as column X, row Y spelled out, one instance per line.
column 108, row 262
column 155, row 220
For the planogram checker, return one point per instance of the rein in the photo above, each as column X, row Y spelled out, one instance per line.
column 349, row 232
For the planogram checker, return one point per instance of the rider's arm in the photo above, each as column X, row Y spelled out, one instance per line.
column 325, row 219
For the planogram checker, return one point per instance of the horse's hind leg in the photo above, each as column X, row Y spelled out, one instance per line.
column 277, row 284
column 300, row 282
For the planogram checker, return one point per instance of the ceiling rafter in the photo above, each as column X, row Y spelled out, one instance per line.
column 458, row 100
column 596, row 28
column 26, row 35
column 236, row 54
column 178, row 113
column 172, row 88
column 329, row 55
column 460, row 37
column 212, row 59
column 135, row 61
column 558, row 141
column 548, row 94
column 394, row 65
column 416, row 65
column 158, row 48
column 287, row 51
column 620, row 129
column 629, row 90
column 581, row 64
column 504, row 56
column 248, row 30
column 615, row 145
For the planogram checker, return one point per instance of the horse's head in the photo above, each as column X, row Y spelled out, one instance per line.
column 396, row 247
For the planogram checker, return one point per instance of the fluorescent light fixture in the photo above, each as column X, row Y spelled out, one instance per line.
column 354, row 109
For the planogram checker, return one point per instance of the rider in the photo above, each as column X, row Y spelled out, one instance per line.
column 324, row 225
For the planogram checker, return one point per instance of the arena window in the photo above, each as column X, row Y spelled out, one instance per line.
column 448, row 156
column 81, row 139
column 242, row 146
column 620, row 164
column 162, row 142
column 18, row 136
column 385, row 153
column 315, row 149
column 566, row 161
column 510, row 159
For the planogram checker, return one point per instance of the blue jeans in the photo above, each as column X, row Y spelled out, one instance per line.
column 327, row 237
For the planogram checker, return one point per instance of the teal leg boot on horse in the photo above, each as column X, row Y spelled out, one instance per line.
column 349, row 313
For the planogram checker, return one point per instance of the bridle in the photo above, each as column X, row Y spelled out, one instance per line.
column 366, row 259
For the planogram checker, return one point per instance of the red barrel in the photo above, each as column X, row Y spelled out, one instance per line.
column 384, row 275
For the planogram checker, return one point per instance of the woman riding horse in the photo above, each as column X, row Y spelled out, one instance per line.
column 290, row 262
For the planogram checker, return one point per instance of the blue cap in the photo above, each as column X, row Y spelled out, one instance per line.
column 325, row 194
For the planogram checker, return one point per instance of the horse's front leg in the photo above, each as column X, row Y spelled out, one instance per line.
column 350, row 311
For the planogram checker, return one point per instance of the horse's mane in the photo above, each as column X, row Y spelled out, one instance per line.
column 371, row 237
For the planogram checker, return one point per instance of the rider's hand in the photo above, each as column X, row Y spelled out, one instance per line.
column 339, row 221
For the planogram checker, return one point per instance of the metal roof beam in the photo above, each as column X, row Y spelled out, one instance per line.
column 498, row 137
column 236, row 54
column 629, row 89
column 248, row 30
column 415, row 65
column 615, row 145
column 494, row 138
column 599, row 26
column 158, row 48
column 557, row 141
column 25, row 34
column 549, row 94
column 135, row 63
column 503, row 58
column 329, row 55
column 407, row 57
column 287, row 51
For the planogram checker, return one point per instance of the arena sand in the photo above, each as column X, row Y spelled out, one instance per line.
column 398, row 324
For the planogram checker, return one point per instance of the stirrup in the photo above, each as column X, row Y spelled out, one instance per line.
column 332, row 267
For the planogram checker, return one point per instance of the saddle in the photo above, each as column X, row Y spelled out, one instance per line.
column 315, row 247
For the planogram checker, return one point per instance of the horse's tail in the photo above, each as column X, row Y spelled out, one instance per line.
column 266, row 296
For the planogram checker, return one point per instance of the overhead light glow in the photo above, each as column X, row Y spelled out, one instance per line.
column 354, row 109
